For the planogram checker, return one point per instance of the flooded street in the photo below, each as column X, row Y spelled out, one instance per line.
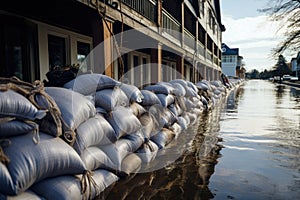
column 248, row 148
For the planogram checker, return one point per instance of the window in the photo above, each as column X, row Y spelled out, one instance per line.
column 140, row 69
column 57, row 51
column 83, row 49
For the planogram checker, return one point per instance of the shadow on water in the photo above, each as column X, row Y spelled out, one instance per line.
column 188, row 177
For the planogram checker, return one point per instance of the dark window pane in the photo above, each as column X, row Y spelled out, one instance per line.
column 57, row 51
column 83, row 49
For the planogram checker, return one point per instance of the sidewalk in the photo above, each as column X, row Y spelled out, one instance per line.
column 294, row 83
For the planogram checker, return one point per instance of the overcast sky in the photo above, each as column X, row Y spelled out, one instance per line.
column 251, row 31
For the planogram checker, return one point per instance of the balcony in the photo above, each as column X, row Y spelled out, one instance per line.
column 209, row 56
column 147, row 8
column 189, row 39
column 170, row 25
column 201, row 50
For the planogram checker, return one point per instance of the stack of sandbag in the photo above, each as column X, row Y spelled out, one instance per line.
column 27, row 154
column 116, row 122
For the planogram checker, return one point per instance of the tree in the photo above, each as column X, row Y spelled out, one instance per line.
column 287, row 11
column 281, row 67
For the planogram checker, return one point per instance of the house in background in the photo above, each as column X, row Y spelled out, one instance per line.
column 295, row 65
column 232, row 62
column 37, row 36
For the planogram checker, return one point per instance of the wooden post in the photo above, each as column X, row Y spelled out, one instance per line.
column 156, row 60
column 108, row 45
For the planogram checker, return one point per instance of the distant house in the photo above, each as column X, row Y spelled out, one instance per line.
column 295, row 65
column 232, row 62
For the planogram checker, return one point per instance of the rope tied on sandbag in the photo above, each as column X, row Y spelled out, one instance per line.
column 87, row 182
column 3, row 158
column 36, row 131
column 29, row 91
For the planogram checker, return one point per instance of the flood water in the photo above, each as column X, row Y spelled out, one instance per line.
column 247, row 148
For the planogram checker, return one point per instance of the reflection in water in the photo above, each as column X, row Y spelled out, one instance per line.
column 247, row 149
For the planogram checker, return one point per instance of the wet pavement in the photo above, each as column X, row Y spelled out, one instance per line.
column 248, row 148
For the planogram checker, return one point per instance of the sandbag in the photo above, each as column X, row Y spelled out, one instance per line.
column 95, row 131
column 109, row 99
column 27, row 195
column 160, row 89
column 121, row 148
column 202, row 86
column 123, row 121
column 137, row 109
column 148, row 151
column 94, row 158
column 182, row 122
column 130, row 164
column 179, row 90
column 75, row 108
column 175, row 109
column 132, row 92
column 149, row 98
column 17, row 127
column 68, row 187
column 5, row 179
column 171, row 118
column 190, row 92
column 193, row 86
column 177, row 129
column 88, row 84
column 166, row 100
column 163, row 138
column 15, row 105
column 30, row 163
column 147, row 124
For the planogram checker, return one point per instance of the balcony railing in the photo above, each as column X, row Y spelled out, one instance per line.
column 147, row 8
column 209, row 56
column 216, row 60
column 201, row 50
column 189, row 39
column 170, row 24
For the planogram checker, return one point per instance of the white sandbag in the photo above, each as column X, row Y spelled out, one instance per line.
column 15, row 105
column 160, row 89
column 190, row 92
column 94, row 158
column 182, row 122
column 95, row 131
column 179, row 90
column 75, row 108
column 166, row 100
column 192, row 116
column 202, row 86
column 130, row 164
column 132, row 92
column 30, row 163
column 177, row 129
column 147, row 124
column 88, row 84
column 171, row 118
column 148, row 151
column 123, row 121
column 137, row 109
column 16, row 127
column 150, row 98
column 27, row 195
column 121, row 148
column 193, row 86
column 175, row 109
column 187, row 118
column 109, row 99
column 163, row 138
column 180, row 81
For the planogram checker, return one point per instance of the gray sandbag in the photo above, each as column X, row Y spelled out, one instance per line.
column 175, row 109
column 132, row 92
column 27, row 195
column 94, row 158
column 182, row 122
column 189, row 105
column 171, row 118
column 160, row 89
column 88, row 84
column 147, row 152
column 68, row 187
column 121, row 148
column 177, row 129
column 137, row 109
column 95, row 131
column 75, row 108
column 180, row 81
column 123, row 121
column 15, row 105
column 30, row 163
column 190, row 92
column 179, row 90
column 147, row 123
column 192, row 116
column 150, row 98
column 109, row 99
column 158, row 116
column 193, row 86
column 166, row 100
column 17, row 127
column 130, row 164
column 202, row 86
column 163, row 138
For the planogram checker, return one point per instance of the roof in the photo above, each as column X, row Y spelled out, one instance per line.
column 228, row 51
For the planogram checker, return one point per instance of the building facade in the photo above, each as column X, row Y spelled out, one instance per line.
column 232, row 62
column 184, row 35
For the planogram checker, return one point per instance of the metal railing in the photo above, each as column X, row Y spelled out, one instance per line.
column 209, row 56
column 216, row 60
column 170, row 24
column 201, row 50
column 189, row 39
column 147, row 8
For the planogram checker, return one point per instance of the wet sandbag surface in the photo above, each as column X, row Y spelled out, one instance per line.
column 150, row 98
column 16, row 127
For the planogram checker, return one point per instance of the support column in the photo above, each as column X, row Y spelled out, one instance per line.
column 108, row 46
column 180, row 66
column 182, row 23
column 156, row 61
column 159, row 15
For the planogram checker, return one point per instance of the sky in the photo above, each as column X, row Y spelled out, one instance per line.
column 251, row 31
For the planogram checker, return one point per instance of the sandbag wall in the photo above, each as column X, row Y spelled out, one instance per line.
column 107, row 130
